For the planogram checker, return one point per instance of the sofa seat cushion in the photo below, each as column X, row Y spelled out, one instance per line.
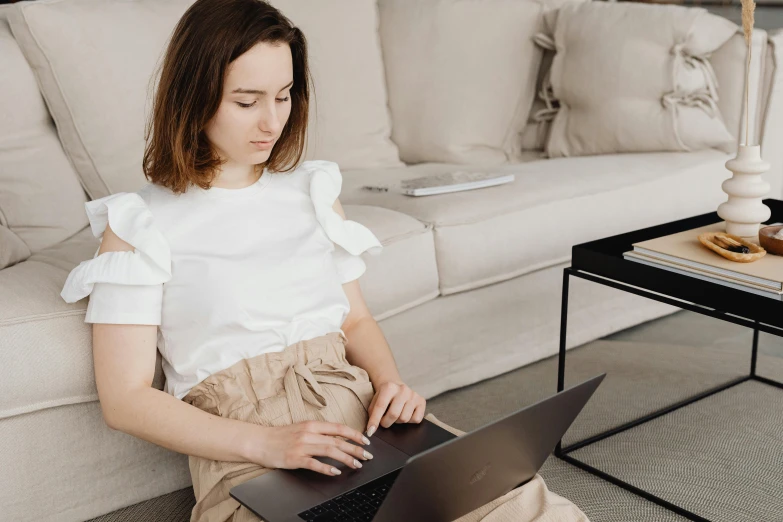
column 45, row 344
column 405, row 274
column 493, row 234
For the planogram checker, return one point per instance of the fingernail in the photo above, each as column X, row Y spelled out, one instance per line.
column 371, row 431
column 365, row 440
column 367, row 454
column 357, row 463
column 336, row 471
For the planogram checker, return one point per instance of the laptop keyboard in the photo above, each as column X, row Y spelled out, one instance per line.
column 358, row 505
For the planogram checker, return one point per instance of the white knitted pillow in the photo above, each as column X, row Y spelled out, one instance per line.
column 633, row 78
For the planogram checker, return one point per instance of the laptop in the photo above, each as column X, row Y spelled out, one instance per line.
column 421, row 472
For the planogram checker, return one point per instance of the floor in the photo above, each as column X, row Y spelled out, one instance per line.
column 719, row 457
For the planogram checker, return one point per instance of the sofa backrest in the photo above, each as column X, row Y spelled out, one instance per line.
column 82, row 49
column 95, row 62
column 41, row 199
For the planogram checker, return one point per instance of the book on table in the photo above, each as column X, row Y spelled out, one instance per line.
column 683, row 253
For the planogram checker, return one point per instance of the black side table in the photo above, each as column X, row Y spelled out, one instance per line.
column 602, row 262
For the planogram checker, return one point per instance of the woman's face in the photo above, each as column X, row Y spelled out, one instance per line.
column 255, row 105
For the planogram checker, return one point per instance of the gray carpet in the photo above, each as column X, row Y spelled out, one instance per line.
column 720, row 458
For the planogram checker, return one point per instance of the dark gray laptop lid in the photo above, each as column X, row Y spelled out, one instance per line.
column 458, row 476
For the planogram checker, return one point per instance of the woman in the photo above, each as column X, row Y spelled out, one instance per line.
column 238, row 264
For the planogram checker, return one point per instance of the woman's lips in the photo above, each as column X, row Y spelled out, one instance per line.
column 263, row 145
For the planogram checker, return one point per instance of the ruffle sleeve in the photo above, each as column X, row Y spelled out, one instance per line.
column 350, row 237
column 124, row 287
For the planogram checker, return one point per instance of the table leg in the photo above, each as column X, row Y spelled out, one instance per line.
column 754, row 353
column 562, row 353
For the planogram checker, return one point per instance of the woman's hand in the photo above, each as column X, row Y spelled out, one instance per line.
column 394, row 402
column 295, row 445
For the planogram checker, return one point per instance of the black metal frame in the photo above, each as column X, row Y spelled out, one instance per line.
column 563, row 452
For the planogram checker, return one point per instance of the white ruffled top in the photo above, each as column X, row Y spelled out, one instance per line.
column 227, row 274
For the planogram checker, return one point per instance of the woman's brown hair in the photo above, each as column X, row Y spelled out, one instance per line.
column 209, row 36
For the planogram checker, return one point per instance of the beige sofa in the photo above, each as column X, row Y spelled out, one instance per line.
column 468, row 285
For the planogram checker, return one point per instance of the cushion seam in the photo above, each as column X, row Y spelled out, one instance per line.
column 45, row 405
column 40, row 317
column 413, row 233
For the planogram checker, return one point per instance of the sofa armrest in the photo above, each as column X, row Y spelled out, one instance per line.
column 771, row 114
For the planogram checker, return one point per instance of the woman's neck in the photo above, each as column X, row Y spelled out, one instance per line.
column 237, row 177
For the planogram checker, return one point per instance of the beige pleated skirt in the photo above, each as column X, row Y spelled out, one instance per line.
column 312, row 380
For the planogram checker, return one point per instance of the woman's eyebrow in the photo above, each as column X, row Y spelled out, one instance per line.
column 240, row 90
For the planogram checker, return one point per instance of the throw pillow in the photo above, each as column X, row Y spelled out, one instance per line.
column 461, row 77
column 634, row 78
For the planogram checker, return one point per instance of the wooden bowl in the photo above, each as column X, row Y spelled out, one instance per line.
column 756, row 252
column 769, row 243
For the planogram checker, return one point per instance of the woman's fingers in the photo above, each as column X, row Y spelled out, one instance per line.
column 352, row 449
column 329, row 449
column 333, row 428
column 378, row 406
column 394, row 410
column 418, row 414
column 318, row 466
column 407, row 411
column 322, row 439
column 395, row 402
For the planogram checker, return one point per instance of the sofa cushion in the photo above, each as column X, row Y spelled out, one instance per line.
column 12, row 249
column 95, row 66
column 44, row 340
column 405, row 274
column 41, row 200
column 461, row 76
column 488, row 235
column 658, row 94
column 728, row 62
column 349, row 116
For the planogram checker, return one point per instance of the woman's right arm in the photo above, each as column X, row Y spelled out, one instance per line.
column 124, row 358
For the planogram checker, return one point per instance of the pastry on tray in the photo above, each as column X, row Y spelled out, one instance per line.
column 732, row 247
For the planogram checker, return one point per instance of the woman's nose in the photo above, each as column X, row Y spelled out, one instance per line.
column 269, row 121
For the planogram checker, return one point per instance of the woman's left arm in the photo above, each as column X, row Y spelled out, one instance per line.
column 368, row 349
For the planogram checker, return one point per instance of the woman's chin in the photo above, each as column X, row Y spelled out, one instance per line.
column 259, row 156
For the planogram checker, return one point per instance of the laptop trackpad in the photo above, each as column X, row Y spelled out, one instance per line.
column 386, row 458
column 414, row 438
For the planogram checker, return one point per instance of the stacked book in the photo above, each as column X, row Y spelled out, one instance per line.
column 684, row 254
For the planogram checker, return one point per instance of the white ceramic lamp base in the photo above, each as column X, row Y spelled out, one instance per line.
column 744, row 211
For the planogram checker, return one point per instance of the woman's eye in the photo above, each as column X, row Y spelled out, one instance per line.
column 248, row 105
